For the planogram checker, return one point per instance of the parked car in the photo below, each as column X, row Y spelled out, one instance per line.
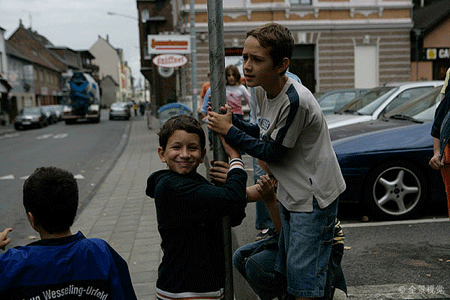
column 333, row 101
column 59, row 110
column 378, row 101
column 418, row 110
column 50, row 114
column 387, row 170
column 30, row 117
column 119, row 110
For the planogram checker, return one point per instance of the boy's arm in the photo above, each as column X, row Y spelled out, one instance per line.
column 4, row 239
column 263, row 190
column 221, row 123
column 266, row 149
column 247, row 127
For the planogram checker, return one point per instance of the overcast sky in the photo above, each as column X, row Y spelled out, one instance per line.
column 78, row 23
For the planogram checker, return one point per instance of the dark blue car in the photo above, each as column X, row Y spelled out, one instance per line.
column 388, row 171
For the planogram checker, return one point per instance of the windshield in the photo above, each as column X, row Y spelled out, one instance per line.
column 421, row 108
column 122, row 104
column 30, row 111
column 366, row 104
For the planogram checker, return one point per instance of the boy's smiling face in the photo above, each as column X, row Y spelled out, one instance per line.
column 183, row 153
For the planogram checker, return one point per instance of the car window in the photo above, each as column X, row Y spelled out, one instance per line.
column 420, row 108
column 343, row 99
column 30, row 110
column 405, row 96
column 329, row 102
column 335, row 101
column 371, row 100
column 119, row 104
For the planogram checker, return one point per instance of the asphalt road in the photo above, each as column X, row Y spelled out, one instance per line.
column 85, row 149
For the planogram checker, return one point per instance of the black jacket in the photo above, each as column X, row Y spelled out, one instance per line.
column 189, row 212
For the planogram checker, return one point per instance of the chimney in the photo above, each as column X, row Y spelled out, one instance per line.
column 107, row 38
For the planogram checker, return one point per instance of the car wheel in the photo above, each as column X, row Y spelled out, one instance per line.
column 395, row 190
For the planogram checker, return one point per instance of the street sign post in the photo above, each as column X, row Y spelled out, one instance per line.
column 218, row 99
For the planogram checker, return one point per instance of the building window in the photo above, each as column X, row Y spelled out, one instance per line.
column 145, row 15
column 301, row 2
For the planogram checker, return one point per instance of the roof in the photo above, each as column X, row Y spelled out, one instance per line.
column 30, row 55
column 428, row 17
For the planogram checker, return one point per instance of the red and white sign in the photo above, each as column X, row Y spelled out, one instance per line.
column 170, row 60
column 173, row 44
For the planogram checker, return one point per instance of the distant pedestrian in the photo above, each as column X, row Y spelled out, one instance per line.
column 205, row 88
column 142, row 108
column 135, row 107
column 148, row 115
column 189, row 212
column 441, row 133
column 61, row 265
column 235, row 91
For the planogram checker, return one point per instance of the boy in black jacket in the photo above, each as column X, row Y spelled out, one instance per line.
column 189, row 211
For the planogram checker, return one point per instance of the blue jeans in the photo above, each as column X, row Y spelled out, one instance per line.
column 305, row 248
column 263, row 220
column 256, row 262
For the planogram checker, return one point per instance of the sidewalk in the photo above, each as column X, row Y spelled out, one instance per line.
column 123, row 215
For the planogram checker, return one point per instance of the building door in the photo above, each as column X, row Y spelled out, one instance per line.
column 440, row 68
column 366, row 66
column 302, row 65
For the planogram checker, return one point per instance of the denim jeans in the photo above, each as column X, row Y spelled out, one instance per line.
column 263, row 220
column 256, row 262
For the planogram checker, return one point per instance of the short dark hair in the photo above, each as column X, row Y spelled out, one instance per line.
column 181, row 122
column 51, row 195
column 235, row 72
column 277, row 38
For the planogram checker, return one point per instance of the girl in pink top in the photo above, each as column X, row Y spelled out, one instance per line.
column 235, row 91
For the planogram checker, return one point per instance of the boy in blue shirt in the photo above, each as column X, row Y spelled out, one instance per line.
column 60, row 265
column 292, row 139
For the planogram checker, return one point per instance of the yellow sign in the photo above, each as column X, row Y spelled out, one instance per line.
column 431, row 54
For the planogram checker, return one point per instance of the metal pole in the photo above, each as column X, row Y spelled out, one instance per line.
column 194, row 56
column 218, row 99
column 417, row 33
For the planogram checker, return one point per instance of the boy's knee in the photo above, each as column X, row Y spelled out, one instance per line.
column 239, row 262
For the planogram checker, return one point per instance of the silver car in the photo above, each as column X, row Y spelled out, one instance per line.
column 30, row 117
column 119, row 110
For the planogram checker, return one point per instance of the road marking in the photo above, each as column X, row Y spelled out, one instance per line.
column 390, row 223
column 45, row 136
column 5, row 136
column 60, row 136
column 8, row 177
column 56, row 136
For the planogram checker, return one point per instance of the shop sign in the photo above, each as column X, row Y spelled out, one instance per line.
column 169, row 44
column 170, row 60
column 437, row 53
